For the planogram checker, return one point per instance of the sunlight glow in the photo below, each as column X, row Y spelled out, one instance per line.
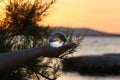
column 102, row 15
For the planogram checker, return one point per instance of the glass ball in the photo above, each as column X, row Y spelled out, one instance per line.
column 57, row 39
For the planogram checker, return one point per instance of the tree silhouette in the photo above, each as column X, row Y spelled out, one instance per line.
column 20, row 30
column 24, row 13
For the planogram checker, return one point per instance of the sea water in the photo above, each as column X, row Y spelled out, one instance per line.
column 95, row 46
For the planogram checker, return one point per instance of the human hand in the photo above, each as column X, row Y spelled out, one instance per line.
column 55, row 52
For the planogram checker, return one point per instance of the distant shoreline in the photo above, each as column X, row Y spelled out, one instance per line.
column 88, row 32
column 102, row 36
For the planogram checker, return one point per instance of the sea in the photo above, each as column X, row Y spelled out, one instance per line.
column 94, row 46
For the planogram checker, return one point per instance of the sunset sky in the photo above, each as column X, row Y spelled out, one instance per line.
column 103, row 15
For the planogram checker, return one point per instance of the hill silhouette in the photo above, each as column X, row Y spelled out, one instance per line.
column 89, row 32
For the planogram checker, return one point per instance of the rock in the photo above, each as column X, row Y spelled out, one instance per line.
column 96, row 64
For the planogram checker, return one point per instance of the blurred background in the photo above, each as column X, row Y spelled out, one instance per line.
column 99, row 20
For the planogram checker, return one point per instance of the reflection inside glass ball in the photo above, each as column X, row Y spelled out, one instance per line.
column 57, row 40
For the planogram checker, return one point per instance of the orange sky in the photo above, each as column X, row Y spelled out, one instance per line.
column 103, row 15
